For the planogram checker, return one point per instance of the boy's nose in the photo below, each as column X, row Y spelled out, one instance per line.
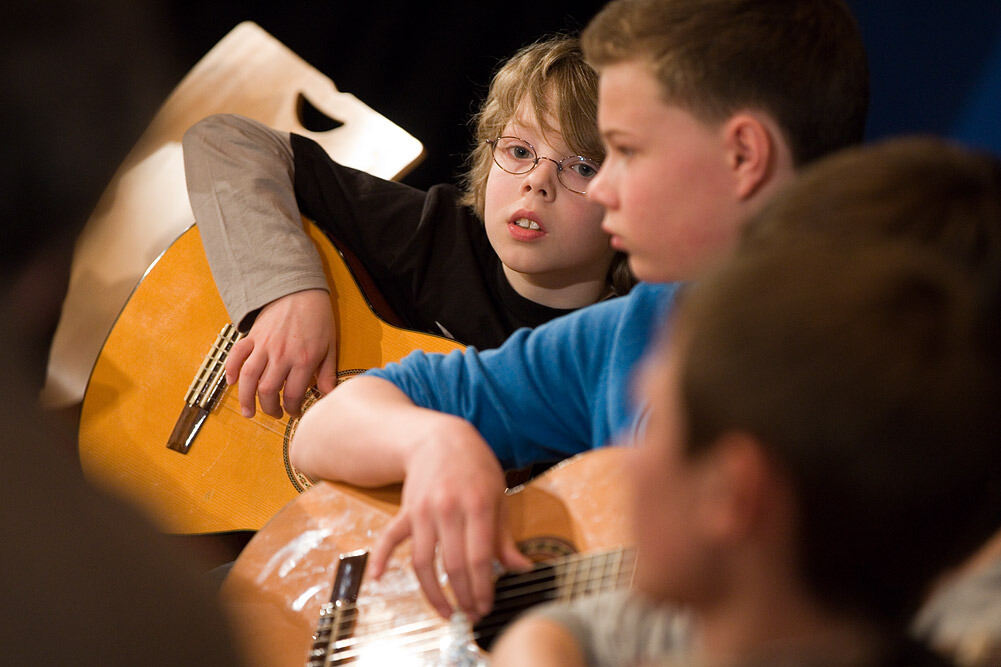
column 599, row 191
column 544, row 177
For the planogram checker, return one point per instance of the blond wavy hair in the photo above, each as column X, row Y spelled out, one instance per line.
column 558, row 84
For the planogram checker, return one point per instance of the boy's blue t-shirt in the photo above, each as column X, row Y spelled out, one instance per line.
column 550, row 392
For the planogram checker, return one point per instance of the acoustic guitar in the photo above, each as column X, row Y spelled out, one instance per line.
column 158, row 424
column 298, row 594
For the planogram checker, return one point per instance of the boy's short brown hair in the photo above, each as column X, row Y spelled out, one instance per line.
column 910, row 190
column 870, row 377
column 800, row 61
column 855, row 333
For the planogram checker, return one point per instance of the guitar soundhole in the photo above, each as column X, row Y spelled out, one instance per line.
column 541, row 549
column 299, row 480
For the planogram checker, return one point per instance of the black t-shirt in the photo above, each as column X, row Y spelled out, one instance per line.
column 427, row 254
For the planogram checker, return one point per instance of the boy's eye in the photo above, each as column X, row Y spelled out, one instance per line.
column 515, row 149
column 520, row 152
column 585, row 168
column 624, row 151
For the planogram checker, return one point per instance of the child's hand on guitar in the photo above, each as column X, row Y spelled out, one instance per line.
column 453, row 502
column 370, row 433
column 291, row 341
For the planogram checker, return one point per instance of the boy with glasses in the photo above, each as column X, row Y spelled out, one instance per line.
column 520, row 245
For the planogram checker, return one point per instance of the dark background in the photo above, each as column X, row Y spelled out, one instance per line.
column 935, row 66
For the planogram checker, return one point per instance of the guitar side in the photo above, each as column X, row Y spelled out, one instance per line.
column 235, row 475
column 276, row 588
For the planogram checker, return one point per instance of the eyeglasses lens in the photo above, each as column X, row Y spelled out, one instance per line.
column 517, row 156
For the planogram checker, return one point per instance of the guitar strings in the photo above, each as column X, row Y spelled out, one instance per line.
column 508, row 606
column 267, row 422
column 417, row 644
column 590, row 561
column 547, row 576
column 433, row 629
column 415, row 626
column 542, row 579
column 406, row 636
column 505, row 605
column 598, row 579
column 498, row 616
column 422, row 641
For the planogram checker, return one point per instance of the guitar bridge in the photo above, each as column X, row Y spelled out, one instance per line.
column 204, row 392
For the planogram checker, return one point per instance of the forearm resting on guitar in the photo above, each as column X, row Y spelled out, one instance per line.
column 362, row 433
column 368, row 432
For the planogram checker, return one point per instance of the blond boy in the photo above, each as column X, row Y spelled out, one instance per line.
column 519, row 245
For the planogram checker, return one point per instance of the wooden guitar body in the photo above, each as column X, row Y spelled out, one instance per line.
column 283, row 577
column 145, row 207
column 235, row 475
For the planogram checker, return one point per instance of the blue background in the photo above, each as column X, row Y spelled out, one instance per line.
column 935, row 67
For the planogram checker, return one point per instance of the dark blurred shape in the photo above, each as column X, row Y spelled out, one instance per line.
column 80, row 83
column 85, row 581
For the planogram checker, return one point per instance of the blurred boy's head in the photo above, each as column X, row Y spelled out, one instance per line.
column 923, row 191
column 706, row 107
column 835, row 401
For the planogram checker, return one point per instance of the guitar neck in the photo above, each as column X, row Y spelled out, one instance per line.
column 568, row 520
column 586, row 574
column 564, row 579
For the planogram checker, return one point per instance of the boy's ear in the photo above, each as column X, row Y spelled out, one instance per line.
column 736, row 487
column 751, row 152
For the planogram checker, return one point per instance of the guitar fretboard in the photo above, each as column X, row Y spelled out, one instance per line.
column 565, row 579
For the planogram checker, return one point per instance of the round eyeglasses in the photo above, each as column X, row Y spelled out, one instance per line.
column 517, row 156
